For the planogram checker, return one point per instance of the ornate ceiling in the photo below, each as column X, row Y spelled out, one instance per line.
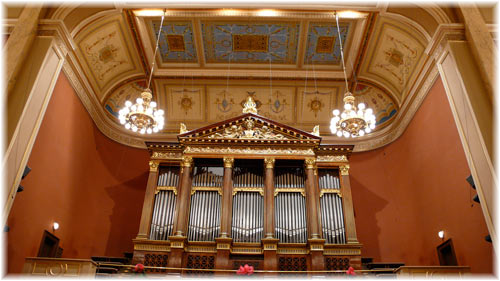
column 211, row 59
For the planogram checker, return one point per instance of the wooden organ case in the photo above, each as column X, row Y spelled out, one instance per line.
column 248, row 190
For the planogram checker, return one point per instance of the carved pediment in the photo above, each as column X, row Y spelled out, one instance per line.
column 249, row 128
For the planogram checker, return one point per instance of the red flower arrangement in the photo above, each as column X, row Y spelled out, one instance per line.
column 350, row 271
column 245, row 270
column 139, row 268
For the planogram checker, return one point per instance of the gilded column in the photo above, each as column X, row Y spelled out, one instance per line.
column 182, row 209
column 269, row 199
column 227, row 198
column 224, row 241
column 269, row 242
column 316, row 244
column 350, row 225
column 149, row 197
column 312, row 198
column 178, row 240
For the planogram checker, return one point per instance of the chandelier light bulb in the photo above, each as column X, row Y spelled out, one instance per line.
column 127, row 126
column 361, row 106
column 139, row 100
column 339, row 133
column 336, row 112
column 361, row 133
column 128, row 103
column 347, row 106
column 153, row 104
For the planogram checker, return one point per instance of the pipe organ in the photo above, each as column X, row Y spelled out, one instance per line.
column 248, row 190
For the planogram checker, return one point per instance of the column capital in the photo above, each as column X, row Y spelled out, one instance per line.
column 344, row 170
column 269, row 161
column 310, row 163
column 228, row 162
column 153, row 165
column 187, row 161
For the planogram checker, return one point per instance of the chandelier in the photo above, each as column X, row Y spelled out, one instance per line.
column 143, row 116
column 354, row 121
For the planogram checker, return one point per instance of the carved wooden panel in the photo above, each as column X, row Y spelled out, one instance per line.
column 200, row 262
column 160, row 260
column 336, row 263
column 292, row 263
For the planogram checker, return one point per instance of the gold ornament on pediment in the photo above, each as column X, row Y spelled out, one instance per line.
column 248, row 131
column 316, row 131
column 183, row 129
column 250, row 106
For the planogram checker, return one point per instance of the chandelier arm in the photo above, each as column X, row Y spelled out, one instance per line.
column 156, row 48
column 341, row 52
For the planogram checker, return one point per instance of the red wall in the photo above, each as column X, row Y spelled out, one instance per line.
column 407, row 191
column 92, row 186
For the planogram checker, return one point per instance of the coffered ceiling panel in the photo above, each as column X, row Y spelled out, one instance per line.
column 244, row 42
column 176, row 41
column 107, row 52
column 323, row 45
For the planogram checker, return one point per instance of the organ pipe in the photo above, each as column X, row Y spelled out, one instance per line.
column 332, row 216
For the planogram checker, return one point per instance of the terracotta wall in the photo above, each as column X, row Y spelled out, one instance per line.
column 407, row 191
column 92, row 186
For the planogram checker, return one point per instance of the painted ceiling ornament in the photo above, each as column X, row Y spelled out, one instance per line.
column 250, row 106
column 354, row 121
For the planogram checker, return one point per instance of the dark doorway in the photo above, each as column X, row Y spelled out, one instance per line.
column 446, row 253
column 49, row 245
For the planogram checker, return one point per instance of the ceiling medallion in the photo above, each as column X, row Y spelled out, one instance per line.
column 143, row 116
column 354, row 121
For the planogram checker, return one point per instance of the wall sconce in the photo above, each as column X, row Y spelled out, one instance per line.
column 441, row 234
column 55, row 226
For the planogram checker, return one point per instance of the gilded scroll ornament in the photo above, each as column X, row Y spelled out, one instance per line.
column 301, row 190
column 206, row 188
column 344, row 170
column 269, row 162
column 310, row 163
column 327, row 190
column 331, row 158
column 250, row 106
column 187, row 161
column 260, row 190
column 153, row 166
column 166, row 155
column 228, row 162
column 166, row 188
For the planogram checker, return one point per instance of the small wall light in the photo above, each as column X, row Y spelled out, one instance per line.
column 441, row 234
column 55, row 226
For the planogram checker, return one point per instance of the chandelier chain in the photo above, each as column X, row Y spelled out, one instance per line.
column 341, row 52
column 156, row 49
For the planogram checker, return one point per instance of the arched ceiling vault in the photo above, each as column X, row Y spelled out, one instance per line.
column 288, row 58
